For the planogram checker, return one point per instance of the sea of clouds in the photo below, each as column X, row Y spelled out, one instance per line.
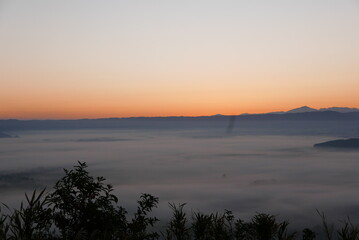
column 208, row 169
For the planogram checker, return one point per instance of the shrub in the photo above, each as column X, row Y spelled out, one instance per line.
column 82, row 203
column 83, row 207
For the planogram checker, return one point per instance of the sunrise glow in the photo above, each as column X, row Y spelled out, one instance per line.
column 86, row 59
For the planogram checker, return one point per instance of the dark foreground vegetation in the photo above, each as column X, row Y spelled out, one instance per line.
column 83, row 207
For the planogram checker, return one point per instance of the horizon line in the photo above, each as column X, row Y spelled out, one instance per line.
column 170, row 116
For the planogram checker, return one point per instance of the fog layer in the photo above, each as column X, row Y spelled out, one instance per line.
column 210, row 170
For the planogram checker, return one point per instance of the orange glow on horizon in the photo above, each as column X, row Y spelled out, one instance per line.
column 124, row 113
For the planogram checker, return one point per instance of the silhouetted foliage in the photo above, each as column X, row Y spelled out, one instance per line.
column 177, row 228
column 265, row 226
column 244, row 230
column 308, row 234
column 83, row 207
column 201, row 226
column 83, row 203
column 349, row 231
column 80, row 207
column 31, row 221
column 138, row 226
column 328, row 229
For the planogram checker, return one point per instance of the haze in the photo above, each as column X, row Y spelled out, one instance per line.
column 206, row 168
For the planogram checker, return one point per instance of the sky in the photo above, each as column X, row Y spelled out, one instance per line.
column 93, row 59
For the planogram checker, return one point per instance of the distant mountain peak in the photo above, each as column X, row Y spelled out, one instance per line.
column 305, row 109
column 302, row 110
column 340, row 109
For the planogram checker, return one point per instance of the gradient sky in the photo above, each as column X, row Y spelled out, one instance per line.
column 78, row 59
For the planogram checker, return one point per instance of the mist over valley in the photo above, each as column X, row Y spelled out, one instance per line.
column 260, row 164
